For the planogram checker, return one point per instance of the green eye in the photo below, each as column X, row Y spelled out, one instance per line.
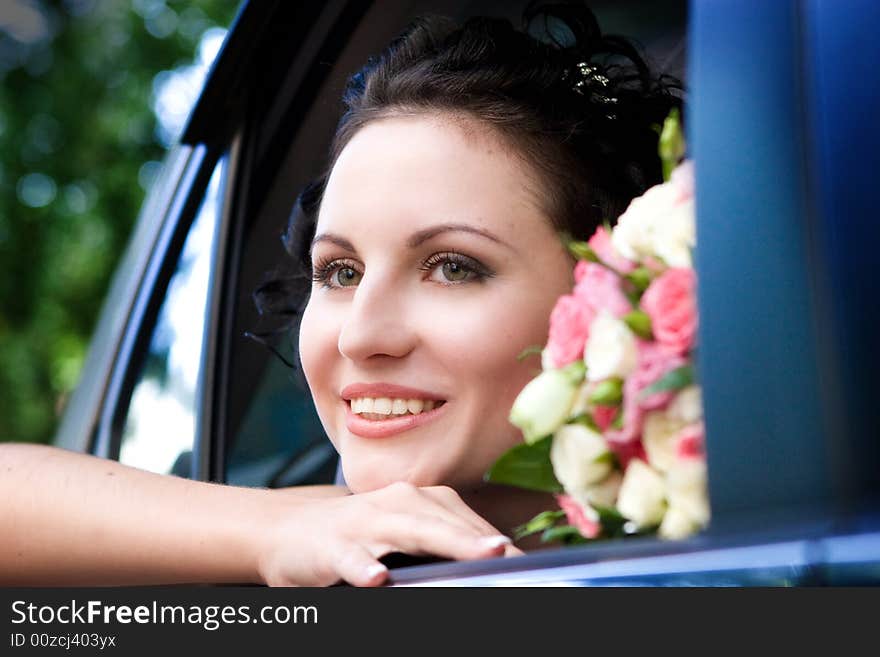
column 346, row 277
column 454, row 272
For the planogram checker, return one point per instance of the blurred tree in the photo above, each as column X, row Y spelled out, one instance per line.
column 79, row 146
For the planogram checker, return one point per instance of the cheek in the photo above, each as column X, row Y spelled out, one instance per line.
column 481, row 344
column 318, row 349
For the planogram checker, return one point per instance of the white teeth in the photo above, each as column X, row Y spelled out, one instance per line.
column 387, row 406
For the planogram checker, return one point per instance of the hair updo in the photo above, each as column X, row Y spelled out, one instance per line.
column 581, row 108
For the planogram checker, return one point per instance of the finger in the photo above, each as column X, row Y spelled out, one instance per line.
column 513, row 551
column 451, row 501
column 406, row 498
column 360, row 568
column 423, row 534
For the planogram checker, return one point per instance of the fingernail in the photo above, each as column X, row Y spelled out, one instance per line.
column 375, row 569
column 495, row 541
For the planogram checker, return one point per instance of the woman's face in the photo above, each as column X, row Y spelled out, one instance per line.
column 434, row 268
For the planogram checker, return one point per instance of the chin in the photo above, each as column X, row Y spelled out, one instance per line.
column 363, row 479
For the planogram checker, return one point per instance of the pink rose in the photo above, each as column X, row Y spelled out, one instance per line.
column 569, row 329
column 671, row 304
column 690, row 442
column 604, row 416
column 654, row 362
column 600, row 288
column 601, row 244
column 632, row 415
column 577, row 517
column 626, row 452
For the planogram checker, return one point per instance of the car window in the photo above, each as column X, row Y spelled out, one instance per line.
column 160, row 427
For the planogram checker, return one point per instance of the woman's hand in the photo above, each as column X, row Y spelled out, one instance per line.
column 318, row 542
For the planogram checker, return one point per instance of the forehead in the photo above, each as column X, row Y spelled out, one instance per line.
column 417, row 170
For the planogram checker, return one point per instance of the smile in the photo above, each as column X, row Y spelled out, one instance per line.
column 376, row 425
column 377, row 410
column 380, row 408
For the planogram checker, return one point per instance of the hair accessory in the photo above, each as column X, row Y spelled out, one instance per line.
column 590, row 82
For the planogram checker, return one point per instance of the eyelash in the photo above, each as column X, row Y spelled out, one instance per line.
column 323, row 270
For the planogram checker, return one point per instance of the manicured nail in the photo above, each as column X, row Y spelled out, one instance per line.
column 495, row 541
column 375, row 569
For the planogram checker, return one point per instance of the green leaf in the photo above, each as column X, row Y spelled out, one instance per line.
column 671, row 146
column 530, row 351
column 579, row 249
column 639, row 323
column 526, row 466
column 676, row 379
column 575, row 372
column 641, row 278
column 632, row 295
column 539, row 523
column 568, row 534
column 617, row 422
column 608, row 392
column 587, row 420
column 611, row 520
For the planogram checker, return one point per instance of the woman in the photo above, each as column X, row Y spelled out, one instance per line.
column 432, row 257
column 432, row 242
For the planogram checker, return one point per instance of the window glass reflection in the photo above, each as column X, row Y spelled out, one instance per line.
column 160, row 426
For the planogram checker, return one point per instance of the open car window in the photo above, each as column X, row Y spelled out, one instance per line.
column 769, row 446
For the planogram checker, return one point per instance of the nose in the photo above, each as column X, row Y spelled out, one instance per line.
column 377, row 324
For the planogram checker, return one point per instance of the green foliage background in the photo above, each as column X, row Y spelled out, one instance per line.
column 76, row 128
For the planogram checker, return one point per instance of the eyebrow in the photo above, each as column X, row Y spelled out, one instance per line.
column 341, row 242
column 416, row 239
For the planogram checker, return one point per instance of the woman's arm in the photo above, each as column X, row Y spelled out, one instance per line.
column 72, row 519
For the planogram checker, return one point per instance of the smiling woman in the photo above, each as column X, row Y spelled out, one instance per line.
column 433, row 240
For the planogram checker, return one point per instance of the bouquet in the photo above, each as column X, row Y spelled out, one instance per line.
column 613, row 424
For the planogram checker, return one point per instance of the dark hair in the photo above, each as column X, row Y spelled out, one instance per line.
column 581, row 108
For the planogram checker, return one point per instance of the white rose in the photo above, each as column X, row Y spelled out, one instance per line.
column 581, row 402
column 603, row 493
column 543, row 404
column 660, row 438
column 687, row 405
column 688, row 491
column 579, row 456
column 642, row 496
column 676, row 524
column 659, row 223
column 631, row 237
column 674, row 235
column 611, row 349
column 547, row 360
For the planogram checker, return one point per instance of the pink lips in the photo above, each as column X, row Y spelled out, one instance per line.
column 394, row 424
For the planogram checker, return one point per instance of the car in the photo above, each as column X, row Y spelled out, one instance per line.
column 780, row 121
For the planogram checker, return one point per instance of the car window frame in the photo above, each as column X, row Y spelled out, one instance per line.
column 142, row 316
